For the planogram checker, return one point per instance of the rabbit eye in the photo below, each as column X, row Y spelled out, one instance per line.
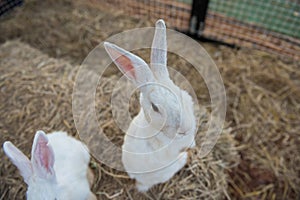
column 154, row 107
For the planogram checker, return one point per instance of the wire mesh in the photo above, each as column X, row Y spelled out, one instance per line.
column 271, row 25
column 7, row 5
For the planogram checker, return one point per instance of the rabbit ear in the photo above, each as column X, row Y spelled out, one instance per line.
column 19, row 160
column 42, row 156
column 135, row 68
column 159, row 51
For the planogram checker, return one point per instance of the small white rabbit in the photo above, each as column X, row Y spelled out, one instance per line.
column 57, row 170
column 156, row 142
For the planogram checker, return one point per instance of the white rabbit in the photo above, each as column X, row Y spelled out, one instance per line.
column 156, row 142
column 57, row 170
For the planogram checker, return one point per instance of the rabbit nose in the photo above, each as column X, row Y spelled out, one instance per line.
column 184, row 129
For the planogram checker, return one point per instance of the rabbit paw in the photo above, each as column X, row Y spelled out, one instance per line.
column 141, row 187
column 188, row 154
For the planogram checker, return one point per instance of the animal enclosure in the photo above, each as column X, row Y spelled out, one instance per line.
column 42, row 45
column 271, row 25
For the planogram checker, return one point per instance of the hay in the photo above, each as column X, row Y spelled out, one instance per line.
column 33, row 96
column 263, row 93
column 264, row 111
column 64, row 29
column 36, row 93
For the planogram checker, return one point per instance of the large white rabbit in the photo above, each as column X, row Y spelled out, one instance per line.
column 58, row 168
column 156, row 142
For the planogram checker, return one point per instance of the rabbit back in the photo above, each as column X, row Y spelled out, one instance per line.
column 71, row 165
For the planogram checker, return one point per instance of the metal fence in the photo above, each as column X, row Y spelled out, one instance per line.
column 7, row 5
column 271, row 25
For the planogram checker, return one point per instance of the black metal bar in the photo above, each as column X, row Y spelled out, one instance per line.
column 198, row 15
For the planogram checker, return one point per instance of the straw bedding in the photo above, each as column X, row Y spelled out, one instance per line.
column 257, row 157
column 36, row 94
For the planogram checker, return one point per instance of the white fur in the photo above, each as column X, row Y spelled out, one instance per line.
column 155, row 144
column 66, row 175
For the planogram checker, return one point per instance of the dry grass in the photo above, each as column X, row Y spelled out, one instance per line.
column 263, row 110
column 37, row 94
column 64, row 29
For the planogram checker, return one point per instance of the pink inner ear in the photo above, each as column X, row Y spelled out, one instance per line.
column 123, row 62
column 44, row 154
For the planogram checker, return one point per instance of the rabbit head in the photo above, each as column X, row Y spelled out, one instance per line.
column 38, row 173
column 166, row 107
